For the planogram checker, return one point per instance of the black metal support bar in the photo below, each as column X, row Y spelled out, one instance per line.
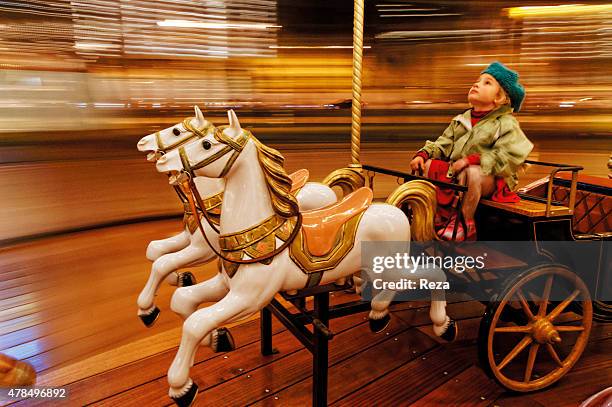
column 309, row 292
column 320, row 352
column 349, row 308
column 411, row 177
column 317, row 341
column 308, row 317
column 290, row 322
column 538, row 199
column 265, row 325
column 564, row 166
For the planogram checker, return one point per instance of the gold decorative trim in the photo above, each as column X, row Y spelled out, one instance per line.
column 256, row 242
column 248, row 237
column 195, row 132
column 212, row 205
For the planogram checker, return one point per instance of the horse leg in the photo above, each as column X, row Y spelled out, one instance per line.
column 443, row 325
column 174, row 243
column 198, row 329
column 162, row 267
column 379, row 315
column 185, row 300
column 358, row 283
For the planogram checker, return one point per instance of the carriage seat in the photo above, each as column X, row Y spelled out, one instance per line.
column 298, row 179
column 527, row 208
column 321, row 226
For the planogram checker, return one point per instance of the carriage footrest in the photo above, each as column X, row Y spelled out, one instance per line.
column 527, row 208
column 495, row 260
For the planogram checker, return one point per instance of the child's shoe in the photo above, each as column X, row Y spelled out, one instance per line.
column 447, row 232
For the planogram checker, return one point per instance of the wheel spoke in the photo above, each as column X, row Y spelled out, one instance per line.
column 545, row 295
column 514, row 329
column 569, row 328
column 533, row 352
column 553, row 354
column 514, row 352
column 559, row 308
column 524, row 304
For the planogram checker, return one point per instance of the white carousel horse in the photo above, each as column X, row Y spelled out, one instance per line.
column 257, row 264
column 189, row 248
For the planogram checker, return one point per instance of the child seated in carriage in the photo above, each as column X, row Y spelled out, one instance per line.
column 482, row 148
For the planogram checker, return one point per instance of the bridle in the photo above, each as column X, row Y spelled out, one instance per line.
column 187, row 176
column 195, row 133
column 233, row 146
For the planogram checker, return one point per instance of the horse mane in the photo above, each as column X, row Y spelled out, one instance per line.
column 277, row 180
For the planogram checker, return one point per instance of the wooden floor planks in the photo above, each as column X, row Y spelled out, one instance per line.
column 69, row 320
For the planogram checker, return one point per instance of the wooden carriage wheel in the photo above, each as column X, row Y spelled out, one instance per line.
column 540, row 332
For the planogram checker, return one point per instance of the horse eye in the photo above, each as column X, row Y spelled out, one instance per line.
column 206, row 144
column 176, row 131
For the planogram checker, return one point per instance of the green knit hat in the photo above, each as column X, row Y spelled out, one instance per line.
column 508, row 79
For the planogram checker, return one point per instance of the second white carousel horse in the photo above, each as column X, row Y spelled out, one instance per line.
column 189, row 248
column 267, row 245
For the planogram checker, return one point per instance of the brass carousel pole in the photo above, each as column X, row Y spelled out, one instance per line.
column 351, row 178
column 357, row 70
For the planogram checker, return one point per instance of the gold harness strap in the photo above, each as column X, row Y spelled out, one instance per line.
column 213, row 210
column 234, row 256
column 257, row 242
column 188, row 169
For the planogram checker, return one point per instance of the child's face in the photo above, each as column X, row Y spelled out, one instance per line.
column 484, row 91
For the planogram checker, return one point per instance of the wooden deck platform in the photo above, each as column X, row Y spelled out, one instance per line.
column 99, row 350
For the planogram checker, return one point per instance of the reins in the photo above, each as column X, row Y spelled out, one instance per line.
column 188, row 172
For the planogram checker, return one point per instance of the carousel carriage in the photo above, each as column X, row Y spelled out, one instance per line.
column 522, row 318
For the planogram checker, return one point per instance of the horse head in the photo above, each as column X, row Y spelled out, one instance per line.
column 211, row 156
column 161, row 142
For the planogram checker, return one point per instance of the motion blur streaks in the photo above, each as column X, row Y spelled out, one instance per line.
column 129, row 64
column 82, row 81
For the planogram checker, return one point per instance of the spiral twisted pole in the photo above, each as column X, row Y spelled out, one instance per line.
column 357, row 70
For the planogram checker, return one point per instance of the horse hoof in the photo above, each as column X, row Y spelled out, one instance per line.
column 452, row 330
column 225, row 341
column 150, row 319
column 186, row 279
column 379, row 325
column 187, row 399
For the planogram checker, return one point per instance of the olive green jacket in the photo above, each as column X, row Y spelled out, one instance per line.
column 497, row 137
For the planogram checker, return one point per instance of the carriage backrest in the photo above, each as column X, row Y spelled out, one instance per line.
column 593, row 200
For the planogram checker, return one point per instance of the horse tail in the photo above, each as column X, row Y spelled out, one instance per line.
column 348, row 179
column 420, row 196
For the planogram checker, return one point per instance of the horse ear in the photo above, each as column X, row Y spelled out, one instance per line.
column 199, row 116
column 233, row 120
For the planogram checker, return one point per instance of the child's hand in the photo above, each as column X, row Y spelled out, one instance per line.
column 417, row 164
column 459, row 165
